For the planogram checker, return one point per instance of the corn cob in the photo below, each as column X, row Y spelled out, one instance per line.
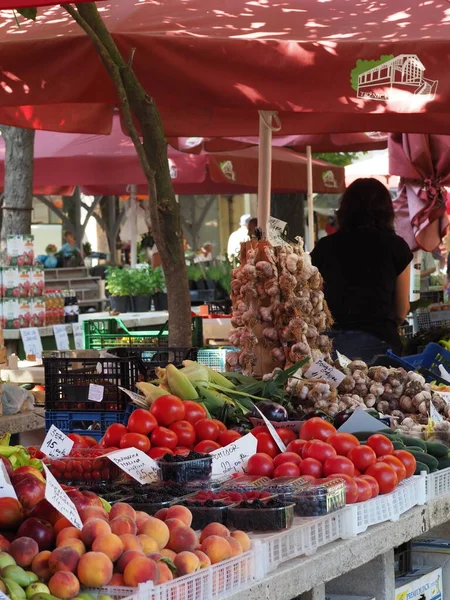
column 196, row 373
column 213, row 376
column 150, row 391
column 179, row 384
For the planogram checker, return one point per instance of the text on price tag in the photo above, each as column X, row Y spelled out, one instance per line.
column 56, row 443
column 95, row 392
column 61, row 337
column 274, row 231
column 233, row 458
column 136, row 464
column 6, row 488
column 322, row 370
column 32, row 343
column 78, row 338
column 57, row 497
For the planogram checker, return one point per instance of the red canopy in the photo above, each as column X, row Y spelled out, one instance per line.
column 7, row 4
column 331, row 66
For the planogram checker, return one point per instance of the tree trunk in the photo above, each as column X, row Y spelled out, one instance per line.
column 18, row 195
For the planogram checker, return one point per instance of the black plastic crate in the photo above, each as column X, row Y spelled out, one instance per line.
column 68, row 380
column 403, row 559
column 152, row 357
column 222, row 307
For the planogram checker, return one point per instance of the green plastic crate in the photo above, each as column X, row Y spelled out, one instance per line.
column 100, row 334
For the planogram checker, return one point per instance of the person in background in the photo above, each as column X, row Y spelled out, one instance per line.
column 205, row 253
column 366, row 270
column 70, row 246
column 238, row 236
column 427, row 268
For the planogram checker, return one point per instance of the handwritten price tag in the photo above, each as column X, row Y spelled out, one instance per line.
column 32, row 341
column 273, row 432
column 444, row 395
column 60, row 500
column 78, row 338
column 322, row 370
column 61, row 337
column 6, row 488
column 233, row 458
column 56, row 443
column 95, row 392
column 136, row 464
column 275, row 229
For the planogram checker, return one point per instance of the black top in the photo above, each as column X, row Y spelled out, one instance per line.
column 360, row 268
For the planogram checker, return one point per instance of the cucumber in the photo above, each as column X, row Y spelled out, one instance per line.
column 398, row 445
column 443, row 463
column 415, row 449
column 421, row 467
column 437, row 449
column 429, row 460
column 408, row 440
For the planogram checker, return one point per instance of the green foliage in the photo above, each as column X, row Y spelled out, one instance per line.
column 87, row 248
column 341, row 159
column 28, row 13
column 130, row 282
column 158, row 280
column 365, row 65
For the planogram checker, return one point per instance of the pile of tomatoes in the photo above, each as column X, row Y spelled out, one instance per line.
column 171, row 426
column 321, row 452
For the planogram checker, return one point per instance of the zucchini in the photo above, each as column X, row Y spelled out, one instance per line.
column 422, row 457
column 421, row 467
column 398, row 445
column 444, row 462
column 408, row 440
column 415, row 449
column 437, row 449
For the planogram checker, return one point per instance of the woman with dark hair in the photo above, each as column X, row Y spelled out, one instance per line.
column 365, row 267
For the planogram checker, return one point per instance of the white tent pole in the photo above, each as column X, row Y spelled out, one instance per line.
column 309, row 175
column 133, row 223
column 264, row 168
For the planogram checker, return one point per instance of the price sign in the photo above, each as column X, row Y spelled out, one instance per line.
column 56, row 443
column 275, row 229
column 139, row 399
column 136, row 464
column 6, row 488
column 95, row 392
column 322, row 370
column 233, row 458
column 273, row 432
column 32, row 341
column 57, row 497
column 343, row 360
column 61, row 337
column 435, row 416
column 77, row 329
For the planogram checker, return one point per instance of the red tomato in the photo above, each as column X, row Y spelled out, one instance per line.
column 362, row 457
column 373, row 484
column 161, row 436
column 260, row 464
column 408, row 460
column 380, row 444
column 396, row 464
column 206, row 429
column 338, row 465
column 287, row 435
column 114, row 434
column 193, row 411
column 316, row 429
column 222, row 427
column 158, row 452
column 141, row 421
column 168, row 409
column 351, row 491
column 90, row 441
column 385, row 475
column 319, row 450
column 228, row 436
column 78, row 440
column 267, row 445
column 135, row 440
column 260, row 429
column 289, row 457
column 343, row 443
column 296, row 446
column 183, row 451
column 185, row 433
column 364, row 489
column 287, row 469
column 206, row 446
column 311, row 466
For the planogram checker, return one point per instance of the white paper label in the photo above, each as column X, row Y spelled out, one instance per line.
column 4, row 596
column 445, row 376
column 435, row 416
column 140, row 399
column 78, row 338
column 6, row 488
column 273, row 432
column 343, row 360
column 61, row 337
column 294, row 425
column 322, row 370
column 32, row 341
column 136, row 464
column 56, row 443
column 233, row 458
column 95, row 392
column 444, row 395
column 60, row 500
column 274, row 229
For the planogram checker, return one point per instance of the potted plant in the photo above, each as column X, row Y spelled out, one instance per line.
column 51, row 261
column 117, row 286
column 141, row 288
column 159, row 286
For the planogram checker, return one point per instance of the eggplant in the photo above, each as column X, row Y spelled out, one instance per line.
column 271, row 410
column 320, row 414
column 342, row 417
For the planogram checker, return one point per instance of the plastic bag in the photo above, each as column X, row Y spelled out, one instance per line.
column 16, row 399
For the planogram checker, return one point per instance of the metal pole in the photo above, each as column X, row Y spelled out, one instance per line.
column 264, row 168
column 309, row 175
column 133, row 223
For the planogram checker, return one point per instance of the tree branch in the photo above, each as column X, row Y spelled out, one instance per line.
column 58, row 212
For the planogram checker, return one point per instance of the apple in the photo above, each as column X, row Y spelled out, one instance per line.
column 11, row 514
column 45, row 511
column 40, row 531
column 8, row 465
column 29, row 489
column 28, row 469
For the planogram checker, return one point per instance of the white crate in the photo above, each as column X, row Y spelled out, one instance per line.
column 438, row 483
column 388, row 507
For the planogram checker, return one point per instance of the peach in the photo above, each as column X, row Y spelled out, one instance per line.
column 165, row 574
column 157, row 530
column 235, row 546
column 61, row 524
column 93, row 512
column 74, row 543
column 203, row 558
column 95, row 569
column 161, row 514
column 139, row 570
column 214, row 529
column 64, row 585
column 166, row 553
column 117, row 579
column 172, row 523
column 126, row 558
column 130, row 542
column 67, row 532
column 24, row 550
column 110, row 544
column 182, row 538
column 242, row 538
column 122, row 525
column 122, row 509
column 40, row 565
column 4, row 544
column 216, row 548
column 63, row 558
column 141, row 517
column 149, row 545
column 186, row 562
column 92, row 529
column 154, row 556
column 179, row 512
